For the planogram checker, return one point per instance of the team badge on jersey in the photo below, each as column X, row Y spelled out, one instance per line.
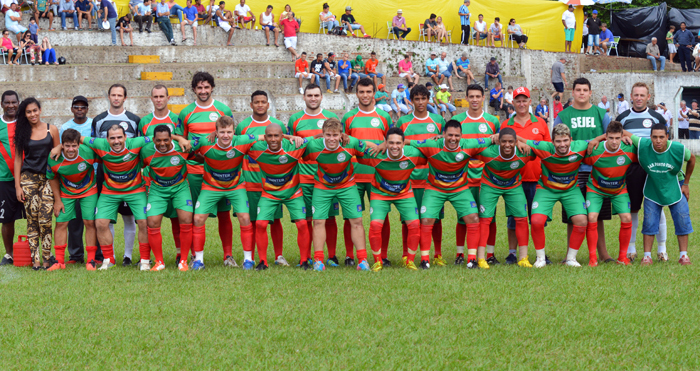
column 359, row 208
column 148, row 207
column 283, row 159
column 483, row 128
column 430, row 128
column 371, row 210
column 170, row 127
column 188, row 202
column 459, row 157
column 403, row 164
column 124, row 125
column 313, row 210
column 175, row 160
column 481, row 140
column 82, row 166
column 647, row 123
column 230, row 153
column 482, row 209
column 572, row 158
column 375, row 122
column 620, row 160
column 319, row 123
column 213, row 116
column 258, row 209
column 535, row 131
column 196, row 206
column 472, row 204
column 423, row 209
column 341, row 157
column 126, row 157
column 587, row 204
column 535, row 204
column 514, row 165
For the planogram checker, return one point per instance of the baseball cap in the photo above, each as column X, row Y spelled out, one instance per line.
column 694, row 101
column 595, row 12
column 521, row 91
column 331, row 54
column 662, row 104
column 433, row 53
column 493, row 59
column 620, row 96
column 401, row 86
column 399, row 11
column 348, row 8
column 80, row 98
column 443, row 86
column 428, row 84
column 571, row 6
column 380, row 86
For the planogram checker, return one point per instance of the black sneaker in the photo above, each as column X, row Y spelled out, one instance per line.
column 492, row 260
column 460, row 259
column 52, row 260
column 39, row 268
column 7, row 260
column 91, row 265
column 349, row 262
column 333, row 259
column 386, row 263
column 305, row 266
column 261, row 267
column 177, row 258
column 127, row 261
column 424, row 264
column 472, row 264
column 511, row 259
column 547, row 261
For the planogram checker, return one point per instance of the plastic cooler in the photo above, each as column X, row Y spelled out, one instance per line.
column 22, row 256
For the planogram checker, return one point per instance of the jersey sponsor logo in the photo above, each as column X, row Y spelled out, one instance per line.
column 283, row 159
column 336, row 179
column 92, row 141
column 582, row 122
column 449, row 178
column 416, row 211
column 584, row 205
column 251, row 136
column 392, row 188
column 195, row 141
column 561, row 179
column 303, row 209
column 77, row 185
column 483, row 128
column 573, row 158
column 472, row 204
column 123, row 178
column 359, row 208
column 514, row 165
column 423, row 209
column 481, row 140
column 82, row 166
column 612, row 184
column 403, row 165
column 502, row 182
column 278, row 182
column 375, row 122
column 341, row 157
column 188, row 202
column 535, row 205
column 175, row 160
column 459, row 157
column 535, row 131
column 431, row 128
column 167, row 183
column 126, row 157
column 213, row 116
column 224, row 177
column 647, row 123
column 336, row 206
column 620, row 160
column 319, row 123
column 537, row 142
column 420, row 141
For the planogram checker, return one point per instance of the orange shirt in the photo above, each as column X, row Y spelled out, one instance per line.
column 371, row 65
column 300, row 65
column 535, row 129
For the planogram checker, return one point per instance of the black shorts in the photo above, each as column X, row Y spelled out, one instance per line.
column 606, row 209
column 636, row 176
column 44, row 15
column 124, row 208
column 10, row 208
column 558, row 86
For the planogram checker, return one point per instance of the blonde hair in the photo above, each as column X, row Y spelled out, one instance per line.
column 561, row 129
column 640, row 85
column 332, row 124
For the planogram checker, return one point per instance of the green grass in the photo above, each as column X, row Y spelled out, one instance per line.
column 445, row 318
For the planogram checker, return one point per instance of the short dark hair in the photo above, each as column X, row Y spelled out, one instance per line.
column 270, row 7
column 303, row 53
column 70, row 135
column 506, row 131
column 202, row 76
column 116, row 127
column 452, row 124
column 259, row 92
column 432, row 16
column 420, row 90
column 312, row 86
column 411, row 84
column 614, row 127
column 109, row 91
column 475, row 87
column 582, row 81
column 319, row 55
column 161, row 129
column 497, row 19
column 9, row 93
column 684, row 23
column 658, row 126
column 373, row 53
column 160, row 86
column 366, row 81
column 395, row 131
column 325, row 6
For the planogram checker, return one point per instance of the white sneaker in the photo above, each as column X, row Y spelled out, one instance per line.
column 335, row 91
column 145, row 266
column 662, row 256
column 281, row 261
column 572, row 263
column 301, row 91
column 106, row 264
column 540, row 263
column 230, row 262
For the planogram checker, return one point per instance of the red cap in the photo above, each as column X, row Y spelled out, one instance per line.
column 521, row 91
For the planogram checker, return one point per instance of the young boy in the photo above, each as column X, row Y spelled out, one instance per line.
column 444, row 98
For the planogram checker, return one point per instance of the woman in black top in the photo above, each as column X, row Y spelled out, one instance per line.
column 34, row 140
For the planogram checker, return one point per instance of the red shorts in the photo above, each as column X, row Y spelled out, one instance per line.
column 244, row 19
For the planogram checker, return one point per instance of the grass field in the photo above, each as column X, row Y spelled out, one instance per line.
column 609, row 317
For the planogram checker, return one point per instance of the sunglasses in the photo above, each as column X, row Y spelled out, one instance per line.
column 80, row 107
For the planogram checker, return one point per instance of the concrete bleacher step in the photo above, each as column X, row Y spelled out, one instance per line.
column 156, row 76
column 144, row 59
column 176, row 92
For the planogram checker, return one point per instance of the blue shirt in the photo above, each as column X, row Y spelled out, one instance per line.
column 460, row 63
column 163, row 8
column 399, row 96
column 494, row 91
column 63, row 5
column 143, row 9
column 191, row 13
column 111, row 13
column 464, row 19
column 684, row 37
column 33, row 28
column 607, row 34
column 541, row 110
column 85, row 129
column 344, row 68
column 430, row 62
column 83, row 5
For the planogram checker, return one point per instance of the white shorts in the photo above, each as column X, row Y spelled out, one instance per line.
column 290, row 42
column 308, row 76
column 408, row 73
column 18, row 28
column 672, row 49
column 225, row 26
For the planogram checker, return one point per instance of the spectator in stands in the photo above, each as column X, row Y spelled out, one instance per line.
column 31, row 48
column 569, row 102
column 462, row 69
column 358, row 67
column 316, row 67
column 267, row 22
column 464, row 20
column 381, row 99
column 49, row 54
column 290, row 27
column 444, row 70
column 508, row 96
column 496, row 100
column 653, row 54
column 328, row 20
column 242, row 11
column 431, row 67
column 163, row 19
column 190, row 19
column 398, row 101
column 67, row 9
column 33, row 30
column 622, row 104
column 84, row 10
column 202, row 14
column 176, row 10
column 516, row 33
column 371, row 69
column 398, row 23
column 143, row 15
column 429, row 27
column 683, row 124
column 330, row 65
column 288, row 9
column 684, row 44
column 6, row 5
column 109, row 14
column 671, row 46
column 493, row 71
column 133, row 4
column 124, row 25
column 496, row 32
column 694, row 120
column 441, row 31
column 604, row 104
column 349, row 23
column 568, row 19
column 480, row 30
column 301, row 72
column 345, row 72
column 558, row 76
column 8, row 46
column 444, row 99
column 606, row 37
column 666, row 113
column 42, row 10
column 432, row 102
column 406, row 69
column 542, row 111
column 510, row 110
column 584, row 33
column 594, row 26
column 556, row 107
column 12, row 19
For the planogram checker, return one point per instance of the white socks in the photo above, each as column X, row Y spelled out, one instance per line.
column 661, row 236
column 460, row 250
column 199, row 255
column 571, row 254
column 631, row 249
column 129, row 234
column 248, row 255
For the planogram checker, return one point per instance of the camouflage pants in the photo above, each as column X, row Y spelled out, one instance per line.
column 38, row 205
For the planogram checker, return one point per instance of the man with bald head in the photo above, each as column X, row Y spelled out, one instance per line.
column 604, row 104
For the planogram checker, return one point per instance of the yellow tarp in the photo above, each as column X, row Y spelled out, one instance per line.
column 540, row 19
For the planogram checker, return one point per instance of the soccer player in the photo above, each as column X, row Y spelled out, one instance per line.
column 421, row 125
column 72, row 177
column 501, row 178
column 167, row 169
column 197, row 120
column 255, row 125
column 368, row 124
column 335, row 179
column 560, row 166
column 308, row 123
column 10, row 208
column 637, row 120
column 278, row 160
column 448, row 160
column 123, row 183
column 476, row 124
column 392, row 185
column 608, row 180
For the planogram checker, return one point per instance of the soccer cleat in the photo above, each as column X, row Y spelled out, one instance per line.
column 624, row 261
column 106, row 264
column 472, row 264
column 281, row 261
column 182, row 266
column 363, row 266
column 662, row 257
column 126, row 262
column 632, row 256
column 145, row 266
column 261, row 267
column 411, row 265
column 56, row 266
column 318, row 266
column 546, row 259
column 572, row 263
column 492, row 260
column 424, row 265
column 684, row 260
column 511, row 259
column 404, row 261
column 540, row 263
column 198, row 265
column 7, row 260
column 525, row 263
column 333, row 262
column 305, row 266
column 483, row 264
column 593, row 263
column 248, row 265
column 349, row 262
column 376, row 267
column 177, row 257
column 230, row 262
column 460, row 259
column 159, row 266
column 91, row 266
column 386, row 262
column 647, row 261
column 438, row 260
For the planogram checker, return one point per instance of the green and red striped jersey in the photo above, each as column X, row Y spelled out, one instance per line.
column 279, row 170
column 420, row 129
column 448, row 168
column 223, row 166
column 76, row 176
column 392, row 178
column 122, row 169
column 559, row 172
column 196, row 121
column 477, row 127
column 335, row 168
column 610, row 168
column 149, row 123
column 500, row 172
column 7, row 141
column 251, row 170
column 165, row 169
column 304, row 125
column 367, row 126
